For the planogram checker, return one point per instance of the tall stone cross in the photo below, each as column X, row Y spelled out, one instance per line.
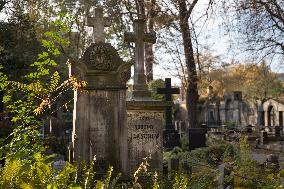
column 139, row 37
column 98, row 23
column 168, row 91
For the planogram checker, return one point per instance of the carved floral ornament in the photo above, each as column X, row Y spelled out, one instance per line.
column 102, row 56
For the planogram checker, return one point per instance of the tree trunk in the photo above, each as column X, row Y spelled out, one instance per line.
column 192, row 91
column 149, row 54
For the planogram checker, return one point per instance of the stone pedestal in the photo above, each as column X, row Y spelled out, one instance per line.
column 99, row 117
column 145, row 123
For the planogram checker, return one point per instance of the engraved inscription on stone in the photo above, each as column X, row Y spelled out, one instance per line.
column 98, row 135
column 145, row 137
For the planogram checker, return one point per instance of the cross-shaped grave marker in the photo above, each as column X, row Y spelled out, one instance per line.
column 171, row 136
column 168, row 91
column 98, row 23
column 139, row 37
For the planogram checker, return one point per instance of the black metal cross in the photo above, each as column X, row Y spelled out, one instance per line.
column 168, row 90
column 171, row 136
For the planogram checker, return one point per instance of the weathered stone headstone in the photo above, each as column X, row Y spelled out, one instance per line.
column 145, row 117
column 171, row 136
column 145, row 133
column 99, row 116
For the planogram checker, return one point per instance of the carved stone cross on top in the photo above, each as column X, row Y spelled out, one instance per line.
column 139, row 37
column 98, row 23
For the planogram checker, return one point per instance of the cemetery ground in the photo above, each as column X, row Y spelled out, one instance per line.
column 223, row 163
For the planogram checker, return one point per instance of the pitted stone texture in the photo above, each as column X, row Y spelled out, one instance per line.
column 145, row 124
column 99, row 118
column 102, row 56
column 145, row 138
column 99, row 129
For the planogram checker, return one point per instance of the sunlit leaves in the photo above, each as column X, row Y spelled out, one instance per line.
column 54, row 82
column 28, row 100
column 3, row 79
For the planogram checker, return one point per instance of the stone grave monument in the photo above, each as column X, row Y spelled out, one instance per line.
column 171, row 136
column 99, row 116
column 145, row 117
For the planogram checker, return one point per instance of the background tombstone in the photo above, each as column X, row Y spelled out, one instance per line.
column 171, row 136
column 99, row 116
column 197, row 138
column 263, row 137
column 145, row 117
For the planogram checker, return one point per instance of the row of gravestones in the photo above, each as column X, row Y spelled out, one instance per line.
column 106, row 126
column 117, row 131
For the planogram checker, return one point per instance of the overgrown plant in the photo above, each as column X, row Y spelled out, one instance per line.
column 33, row 100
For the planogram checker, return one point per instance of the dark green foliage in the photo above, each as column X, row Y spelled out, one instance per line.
column 184, row 142
column 26, row 100
column 19, row 46
column 153, row 85
column 215, row 154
